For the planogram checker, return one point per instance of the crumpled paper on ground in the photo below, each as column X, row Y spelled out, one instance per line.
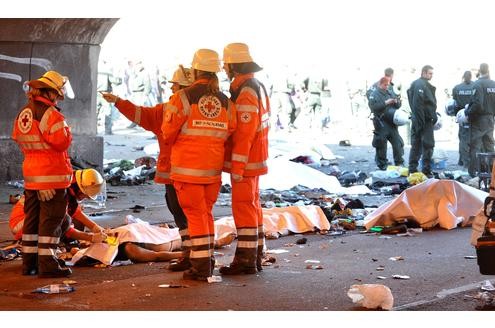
column 443, row 202
column 372, row 296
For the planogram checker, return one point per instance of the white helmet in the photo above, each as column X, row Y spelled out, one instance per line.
column 206, row 60
column 450, row 107
column 461, row 117
column 438, row 125
column 400, row 117
column 182, row 76
column 236, row 53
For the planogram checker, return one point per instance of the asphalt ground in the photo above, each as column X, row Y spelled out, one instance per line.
column 441, row 278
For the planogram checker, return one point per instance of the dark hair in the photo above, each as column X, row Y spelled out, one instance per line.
column 426, row 68
column 213, row 84
column 467, row 76
column 245, row 68
column 484, row 69
column 389, row 71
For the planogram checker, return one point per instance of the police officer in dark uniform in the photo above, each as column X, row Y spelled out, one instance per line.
column 480, row 113
column 383, row 102
column 423, row 103
column 462, row 94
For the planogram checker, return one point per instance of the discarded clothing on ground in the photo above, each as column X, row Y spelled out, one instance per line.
column 443, row 202
column 284, row 174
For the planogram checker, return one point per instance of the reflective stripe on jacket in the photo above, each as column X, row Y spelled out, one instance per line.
column 196, row 126
column 45, row 145
column 247, row 149
column 150, row 118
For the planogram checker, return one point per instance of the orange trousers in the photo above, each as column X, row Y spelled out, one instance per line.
column 246, row 207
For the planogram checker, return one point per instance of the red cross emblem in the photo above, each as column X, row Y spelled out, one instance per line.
column 245, row 117
column 25, row 120
column 209, row 106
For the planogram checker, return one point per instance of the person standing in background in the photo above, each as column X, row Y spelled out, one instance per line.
column 423, row 103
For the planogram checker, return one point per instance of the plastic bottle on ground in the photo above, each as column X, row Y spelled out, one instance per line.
column 54, row 289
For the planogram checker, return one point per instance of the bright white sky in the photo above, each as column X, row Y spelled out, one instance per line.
column 305, row 33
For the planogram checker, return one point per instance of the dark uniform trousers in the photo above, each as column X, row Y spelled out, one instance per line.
column 383, row 132
column 41, row 231
column 422, row 144
column 179, row 217
column 481, row 139
column 464, row 136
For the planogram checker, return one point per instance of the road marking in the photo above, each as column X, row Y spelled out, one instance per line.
column 442, row 294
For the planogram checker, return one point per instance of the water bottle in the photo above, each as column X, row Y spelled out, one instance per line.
column 54, row 289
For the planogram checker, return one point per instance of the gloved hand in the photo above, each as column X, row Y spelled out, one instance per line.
column 46, row 194
column 111, row 98
column 98, row 237
column 96, row 228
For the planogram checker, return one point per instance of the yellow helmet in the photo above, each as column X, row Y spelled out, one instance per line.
column 52, row 80
column 206, row 60
column 234, row 53
column 90, row 182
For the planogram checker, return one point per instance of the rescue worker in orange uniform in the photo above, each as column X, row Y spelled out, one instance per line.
column 151, row 119
column 44, row 138
column 246, row 156
column 85, row 183
column 196, row 123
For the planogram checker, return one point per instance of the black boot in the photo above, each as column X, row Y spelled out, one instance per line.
column 238, row 267
column 180, row 265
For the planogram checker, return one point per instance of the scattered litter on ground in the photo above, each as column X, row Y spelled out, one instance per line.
column 301, row 241
column 398, row 276
column 371, row 296
column 173, row 286
column 487, row 285
column 314, row 267
column 396, row 258
column 54, row 289
column 312, row 261
column 214, row 279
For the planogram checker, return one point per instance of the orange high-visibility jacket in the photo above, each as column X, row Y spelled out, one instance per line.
column 247, row 149
column 45, row 145
column 197, row 125
column 150, row 118
column 17, row 216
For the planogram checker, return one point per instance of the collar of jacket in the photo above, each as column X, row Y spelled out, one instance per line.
column 240, row 79
column 201, row 81
column 45, row 101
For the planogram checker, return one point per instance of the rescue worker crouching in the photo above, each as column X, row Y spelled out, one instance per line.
column 151, row 119
column 85, row 183
column 245, row 157
column 44, row 138
column 197, row 121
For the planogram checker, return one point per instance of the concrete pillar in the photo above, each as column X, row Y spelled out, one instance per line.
column 30, row 47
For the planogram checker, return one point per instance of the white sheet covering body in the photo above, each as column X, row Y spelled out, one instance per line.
column 281, row 220
column 443, row 202
column 140, row 232
column 296, row 219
